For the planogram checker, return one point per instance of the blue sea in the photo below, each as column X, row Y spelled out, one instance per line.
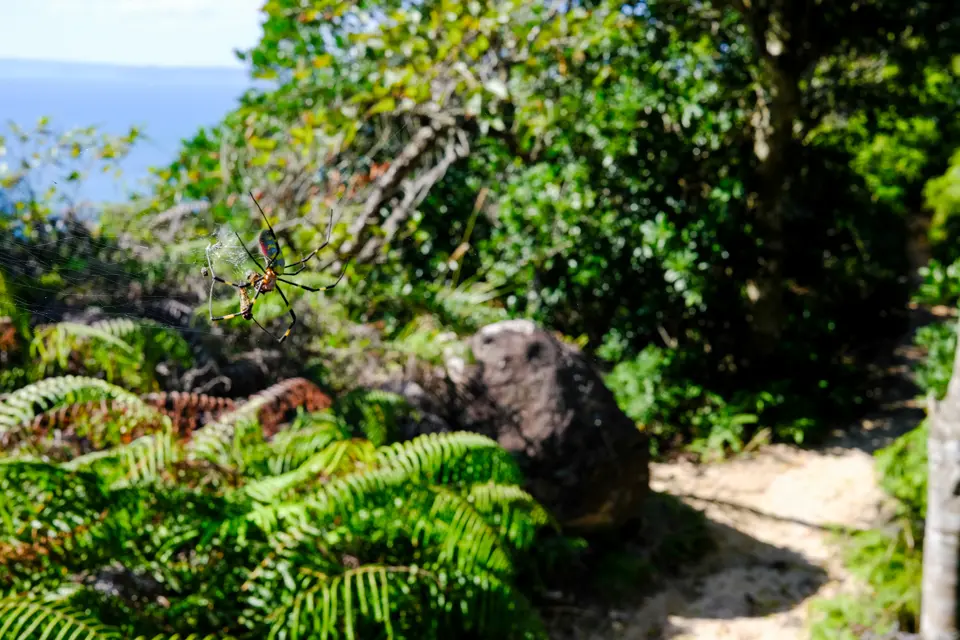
column 169, row 104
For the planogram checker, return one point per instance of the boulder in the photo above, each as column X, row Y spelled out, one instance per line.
column 542, row 400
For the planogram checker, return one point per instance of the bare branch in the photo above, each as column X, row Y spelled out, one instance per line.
column 387, row 184
column 414, row 193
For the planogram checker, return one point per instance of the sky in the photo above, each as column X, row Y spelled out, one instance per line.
column 171, row 33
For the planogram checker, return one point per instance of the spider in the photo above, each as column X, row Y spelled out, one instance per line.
column 269, row 278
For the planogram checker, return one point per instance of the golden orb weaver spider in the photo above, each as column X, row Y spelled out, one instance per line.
column 269, row 277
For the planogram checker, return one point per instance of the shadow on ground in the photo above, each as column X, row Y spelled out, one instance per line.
column 713, row 571
column 903, row 408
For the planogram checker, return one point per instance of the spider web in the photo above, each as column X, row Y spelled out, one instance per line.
column 222, row 250
column 73, row 257
column 225, row 248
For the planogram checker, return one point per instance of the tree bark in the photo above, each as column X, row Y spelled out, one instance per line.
column 778, row 106
column 941, row 542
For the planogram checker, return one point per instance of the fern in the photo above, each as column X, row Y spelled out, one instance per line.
column 124, row 350
column 26, row 617
column 512, row 509
column 188, row 411
column 375, row 413
column 23, row 405
column 310, row 433
column 267, row 408
column 245, row 530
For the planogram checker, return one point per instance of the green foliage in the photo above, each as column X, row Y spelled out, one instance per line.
column 377, row 414
column 599, row 171
column 24, row 404
column 940, row 342
column 31, row 155
column 940, row 284
column 889, row 560
column 943, row 197
column 672, row 410
column 315, row 532
column 125, row 350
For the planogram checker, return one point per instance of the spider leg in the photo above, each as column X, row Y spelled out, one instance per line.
column 293, row 316
column 238, row 285
column 317, row 289
column 262, row 214
column 267, row 331
column 229, row 316
column 252, row 257
column 214, row 278
column 303, row 261
column 259, row 289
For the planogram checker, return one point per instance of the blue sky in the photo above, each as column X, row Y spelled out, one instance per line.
column 193, row 33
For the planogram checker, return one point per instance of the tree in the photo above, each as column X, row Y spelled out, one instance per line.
column 941, row 547
column 642, row 168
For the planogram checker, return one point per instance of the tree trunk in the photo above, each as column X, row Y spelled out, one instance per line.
column 773, row 140
column 781, row 62
column 941, row 542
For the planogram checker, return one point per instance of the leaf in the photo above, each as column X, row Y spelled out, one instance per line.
column 322, row 61
column 474, row 105
column 497, row 87
column 383, row 106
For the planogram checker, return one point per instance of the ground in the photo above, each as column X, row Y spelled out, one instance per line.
column 776, row 515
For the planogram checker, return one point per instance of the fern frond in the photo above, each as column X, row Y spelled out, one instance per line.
column 309, row 434
column 464, row 538
column 452, row 458
column 147, row 333
column 188, row 411
column 121, row 348
column 23, row 405
column 82, row 426
column 335, row 459
column 274, row 403
column 515, row 512
column 325, row 604
column 430, row 458
column 374, row 412
column 58, row 340
column 269, row 408
column 28, row 617
column 143, row 460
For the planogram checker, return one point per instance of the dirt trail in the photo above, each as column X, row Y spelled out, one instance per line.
column 773, row 514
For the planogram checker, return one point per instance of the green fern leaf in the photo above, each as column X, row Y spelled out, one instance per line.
column 28, row 617
column 24, row 404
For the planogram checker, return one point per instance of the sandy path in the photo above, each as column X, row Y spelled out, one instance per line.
column 770, row 515
column 773, row 514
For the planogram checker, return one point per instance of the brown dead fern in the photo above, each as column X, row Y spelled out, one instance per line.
column 189, row 411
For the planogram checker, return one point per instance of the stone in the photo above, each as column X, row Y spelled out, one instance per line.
column 583, row 457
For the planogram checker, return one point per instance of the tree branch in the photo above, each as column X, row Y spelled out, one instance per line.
column 414, row 193
column 422, row 141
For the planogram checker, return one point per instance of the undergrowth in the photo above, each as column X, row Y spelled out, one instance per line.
column 138, row 515
column 889, row 560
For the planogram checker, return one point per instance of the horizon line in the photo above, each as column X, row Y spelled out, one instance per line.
column 120, row 65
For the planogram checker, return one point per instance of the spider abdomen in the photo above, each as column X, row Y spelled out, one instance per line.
column 270, row 249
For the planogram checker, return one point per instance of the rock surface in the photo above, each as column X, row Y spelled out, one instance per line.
column 543, row 401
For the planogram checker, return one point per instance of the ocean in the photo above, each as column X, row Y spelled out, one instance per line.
column 169, row 104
